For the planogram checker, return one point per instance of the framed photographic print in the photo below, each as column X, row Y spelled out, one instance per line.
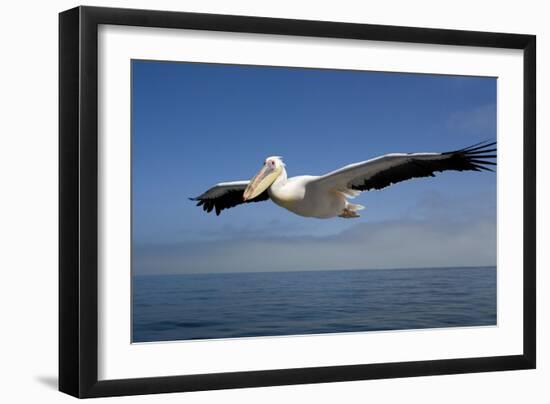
column 250, row 201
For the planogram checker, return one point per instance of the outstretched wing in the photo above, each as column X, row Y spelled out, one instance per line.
column 226, row 195
column 389, row 169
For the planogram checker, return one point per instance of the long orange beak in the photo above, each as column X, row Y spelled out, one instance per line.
column 261, row 181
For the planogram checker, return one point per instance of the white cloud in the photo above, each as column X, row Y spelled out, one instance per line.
column 391, row 244
column 476, row 121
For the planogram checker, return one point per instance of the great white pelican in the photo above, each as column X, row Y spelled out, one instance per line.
column 326, row 196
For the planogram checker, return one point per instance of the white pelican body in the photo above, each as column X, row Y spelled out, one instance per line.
column 326, row 196
column 300, row 196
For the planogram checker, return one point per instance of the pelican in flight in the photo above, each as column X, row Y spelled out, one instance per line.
column 326, row 196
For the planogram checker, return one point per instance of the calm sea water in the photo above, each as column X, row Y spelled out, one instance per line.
column 183, row 307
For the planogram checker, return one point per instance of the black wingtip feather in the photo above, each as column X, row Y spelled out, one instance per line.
column 472, row 158
column 229, row 199
column 483, row 162
column 483, row 151
column 480, row 145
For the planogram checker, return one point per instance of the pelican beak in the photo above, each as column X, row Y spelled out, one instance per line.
column 261, row 181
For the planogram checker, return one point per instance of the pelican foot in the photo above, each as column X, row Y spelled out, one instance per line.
column 348, row 214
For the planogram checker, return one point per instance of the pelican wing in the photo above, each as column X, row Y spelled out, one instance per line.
column 226, row 195
column 389, row 169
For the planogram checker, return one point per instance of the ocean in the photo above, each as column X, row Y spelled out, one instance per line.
column 206, row 306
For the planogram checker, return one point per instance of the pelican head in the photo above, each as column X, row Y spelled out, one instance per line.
column 273, row 166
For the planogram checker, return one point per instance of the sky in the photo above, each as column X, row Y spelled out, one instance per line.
column 195, row 124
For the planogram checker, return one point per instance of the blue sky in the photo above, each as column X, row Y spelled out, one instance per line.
column 194, row 125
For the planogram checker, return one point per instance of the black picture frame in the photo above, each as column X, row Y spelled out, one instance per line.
column 78, row 201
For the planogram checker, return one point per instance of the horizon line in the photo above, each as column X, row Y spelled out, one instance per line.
column 316, row 270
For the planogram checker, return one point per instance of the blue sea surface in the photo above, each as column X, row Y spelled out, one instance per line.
column 205, row 306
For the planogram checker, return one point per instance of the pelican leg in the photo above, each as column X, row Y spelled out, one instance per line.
column 350, row 211
column 348, row 214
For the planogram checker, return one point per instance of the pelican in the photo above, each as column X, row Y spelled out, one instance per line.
column 326, row 196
